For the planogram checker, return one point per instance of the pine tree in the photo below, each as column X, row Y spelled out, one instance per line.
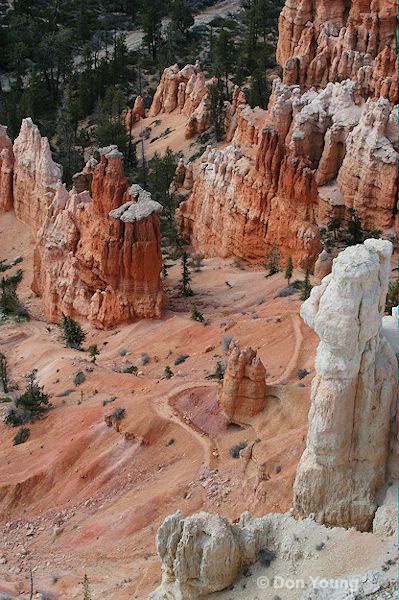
column 73, row 334
column 94, row 352
column 355, row 228
column 196, row 315
column 33, row 401
column 86, row 588
column 288, row 270
column 273, row 261
column 186, row 277
column 306, row 285
column 217, row 109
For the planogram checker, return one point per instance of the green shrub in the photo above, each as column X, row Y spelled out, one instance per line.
column 72, row 332
column 79, row 378
column 132, row 369
column 22, row 436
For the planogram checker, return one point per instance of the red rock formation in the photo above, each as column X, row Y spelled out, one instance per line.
column 6, row 170
column 133, row 115
column 36, row 176
column 243, row 393
column 330, row 40
column 100, row 257
column 186, row 90
column 310, row 158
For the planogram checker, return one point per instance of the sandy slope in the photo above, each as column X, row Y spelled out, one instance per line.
column 95, row 497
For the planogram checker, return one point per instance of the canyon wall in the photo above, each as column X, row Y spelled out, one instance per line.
column 333, row 40
column 353, row 393
column 327, row 144
column 99, row 256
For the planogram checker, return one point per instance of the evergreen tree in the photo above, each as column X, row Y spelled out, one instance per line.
column 355, row 228
column 288, row 270
column 186, row 277
column 33, row 401
column 73, row 334
column 94, row 352
column 86, row 588
column 161, row 173
column 9, row 302
column 196, row 315
column 273, row 261
column 68, row 154
column 217, row 109
column 334, row 225
column 306, row 287
column 181, row 15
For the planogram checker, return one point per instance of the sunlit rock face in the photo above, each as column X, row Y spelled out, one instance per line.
column 36, row 176
column 352, row 414
column 333, row 40
column 99, row 256
column 6, row 170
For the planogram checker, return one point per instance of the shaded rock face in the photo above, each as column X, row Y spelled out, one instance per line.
column 333, row 40
column 36, row 176
column 6, row 170
column 243, row 393
column 353, row 393
column 99, row 257
column 186, row 90
column 323, row 266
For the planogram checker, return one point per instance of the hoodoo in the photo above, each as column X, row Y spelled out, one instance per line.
column 353, row 393
column 99, row 257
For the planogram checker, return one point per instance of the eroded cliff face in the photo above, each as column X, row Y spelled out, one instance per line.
column 186, row 90
column 333, row 40
column 353, row 392
column 6, row 170
column 36, row 176
column 327, row 144
column 99, row 257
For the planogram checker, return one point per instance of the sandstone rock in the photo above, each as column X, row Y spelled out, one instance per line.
column 186, row 90
column 368, row 179
column 328, row 41
column 323, row 266
column 36, row 176
column 99, row 257
column 199, row 554
column 243, row 392
column 353, row 393
column 134, row 114
column 6, row 170
column 82, row 181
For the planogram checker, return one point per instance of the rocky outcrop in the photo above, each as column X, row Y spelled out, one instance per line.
column 82, row 181
column 243, row 392
column 368, row 179
column 6, row 170
column 326, row 41
column 203, row 553
column 199, row 554
column 183, row 180
column 323, row 265
column 296, row 165
column 99, row 257
column 36, row 176
column 186, row 90
column 353, row 393
column 134, row 114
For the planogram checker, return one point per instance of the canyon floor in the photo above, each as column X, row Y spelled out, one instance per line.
column 82, row 498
